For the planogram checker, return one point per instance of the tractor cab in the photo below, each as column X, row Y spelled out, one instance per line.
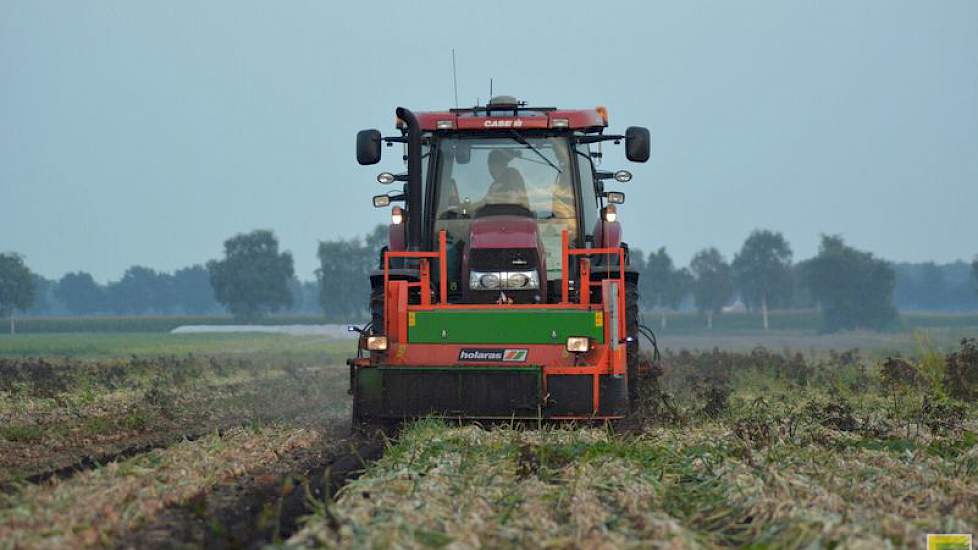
column 504, row 182
column 505, row 289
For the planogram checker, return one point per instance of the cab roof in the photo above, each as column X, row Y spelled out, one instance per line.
column 500, row 116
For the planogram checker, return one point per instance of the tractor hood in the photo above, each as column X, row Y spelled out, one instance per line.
column 503, row 232
column 504, row 245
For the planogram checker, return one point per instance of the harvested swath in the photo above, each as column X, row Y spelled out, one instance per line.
column 149, row 403
column 94, row 506
column 701, row 485
column 262, row 507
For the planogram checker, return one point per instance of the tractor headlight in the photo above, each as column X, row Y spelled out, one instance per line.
column 488, row 281
column 523, row 280
column 578, row 344
column 377, row 343
column 517, row 280
column 512, row 280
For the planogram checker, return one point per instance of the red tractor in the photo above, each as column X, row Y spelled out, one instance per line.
column 505, row 290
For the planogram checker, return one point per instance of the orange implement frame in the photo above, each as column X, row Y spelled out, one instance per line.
column 584, row 295
column 585, row 278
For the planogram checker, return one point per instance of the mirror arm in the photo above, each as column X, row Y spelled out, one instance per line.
column 599, row 138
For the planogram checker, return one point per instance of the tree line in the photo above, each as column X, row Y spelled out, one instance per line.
column 851, row 288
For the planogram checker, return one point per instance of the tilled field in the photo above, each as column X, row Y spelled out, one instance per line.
column 211, row 450
column 760, row 449
column 58, row 416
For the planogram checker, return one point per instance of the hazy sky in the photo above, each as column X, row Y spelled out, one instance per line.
column 147, row 133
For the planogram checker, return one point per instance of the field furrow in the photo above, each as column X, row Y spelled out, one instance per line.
column 96, row 506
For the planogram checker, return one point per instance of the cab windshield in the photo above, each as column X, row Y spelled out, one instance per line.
column 514, row 175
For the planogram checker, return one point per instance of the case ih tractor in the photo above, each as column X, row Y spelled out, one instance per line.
column 505, row 290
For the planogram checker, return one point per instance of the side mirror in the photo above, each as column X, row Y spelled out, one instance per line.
column 368, row 147
column 638, row 144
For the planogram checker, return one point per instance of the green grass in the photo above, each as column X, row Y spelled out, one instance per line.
column 26, row 434
column 796, row 321
column 798, row 330
column 130, row 324
column 108, row 345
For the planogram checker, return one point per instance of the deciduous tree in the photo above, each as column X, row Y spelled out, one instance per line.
column 762, row 271
column 661, row 284
column 44, row 301
column 16, row 286
column 253, row 278
column 344, row 273
column 141, row 290
column 193, row 291
column 854, row 288
column 712, row 282
column 974, row 272
column 79, row 293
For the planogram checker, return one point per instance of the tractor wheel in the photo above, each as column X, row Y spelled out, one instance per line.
column 377, row 310
column 632, row 348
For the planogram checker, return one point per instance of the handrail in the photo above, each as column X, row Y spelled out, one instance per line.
column 425, row 282
column 584, row 294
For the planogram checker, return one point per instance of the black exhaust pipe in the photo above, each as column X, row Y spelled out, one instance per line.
column 414, row 196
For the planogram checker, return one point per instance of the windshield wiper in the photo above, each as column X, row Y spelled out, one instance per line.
column 522, row 141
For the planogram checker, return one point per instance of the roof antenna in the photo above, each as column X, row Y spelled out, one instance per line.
column 455, row 78
column 490, row 88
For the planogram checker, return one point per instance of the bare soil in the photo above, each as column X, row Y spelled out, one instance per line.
column 261, row 507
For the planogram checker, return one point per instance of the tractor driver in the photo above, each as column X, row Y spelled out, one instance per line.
column 507, row 185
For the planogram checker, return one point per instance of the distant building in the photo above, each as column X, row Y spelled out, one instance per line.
column 736, row 307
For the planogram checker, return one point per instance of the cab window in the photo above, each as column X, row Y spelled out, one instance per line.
column 523, row 176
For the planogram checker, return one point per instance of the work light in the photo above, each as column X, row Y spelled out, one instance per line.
column 578, row 344
column 377, row 343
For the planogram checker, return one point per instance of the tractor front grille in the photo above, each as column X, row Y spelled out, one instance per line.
column 503, row 259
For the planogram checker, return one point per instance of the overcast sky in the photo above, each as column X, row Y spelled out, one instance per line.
column 147, row 133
